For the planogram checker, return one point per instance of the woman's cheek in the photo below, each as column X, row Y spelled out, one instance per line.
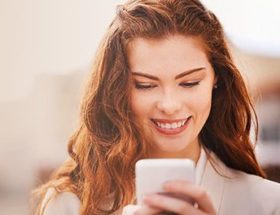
column 141, row 102
column 200, row 105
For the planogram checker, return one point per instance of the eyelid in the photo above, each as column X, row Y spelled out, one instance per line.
column 144, row 85
column 189, row 84
column 147, row 85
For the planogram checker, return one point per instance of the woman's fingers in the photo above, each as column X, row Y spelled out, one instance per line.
column 147, row 210
column 129, row 209
column 198, row 194
column 156, row 203
column 140, row 210
column 171, row 204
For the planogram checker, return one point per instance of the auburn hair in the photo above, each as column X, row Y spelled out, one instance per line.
column 107, row 144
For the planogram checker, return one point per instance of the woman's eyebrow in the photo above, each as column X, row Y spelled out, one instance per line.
column 181, row 75
column 188, row 72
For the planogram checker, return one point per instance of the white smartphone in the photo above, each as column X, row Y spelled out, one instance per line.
column 151, row 174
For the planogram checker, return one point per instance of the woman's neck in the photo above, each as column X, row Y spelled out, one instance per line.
column 191, row 152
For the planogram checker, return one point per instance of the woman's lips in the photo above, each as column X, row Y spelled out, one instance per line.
column 171, row 127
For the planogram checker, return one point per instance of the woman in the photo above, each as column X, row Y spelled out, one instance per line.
column 163, row 85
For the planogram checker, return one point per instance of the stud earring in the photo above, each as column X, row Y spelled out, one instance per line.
column 215, row 86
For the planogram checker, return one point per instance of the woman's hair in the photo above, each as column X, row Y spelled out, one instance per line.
column 108, row 142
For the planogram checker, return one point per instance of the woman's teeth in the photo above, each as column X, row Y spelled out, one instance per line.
column 173, row 125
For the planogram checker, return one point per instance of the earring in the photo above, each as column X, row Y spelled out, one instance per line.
column 215, row 86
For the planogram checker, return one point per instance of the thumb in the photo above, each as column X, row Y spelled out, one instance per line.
column 129, row 209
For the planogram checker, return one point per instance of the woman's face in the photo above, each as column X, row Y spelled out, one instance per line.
column 172, row 90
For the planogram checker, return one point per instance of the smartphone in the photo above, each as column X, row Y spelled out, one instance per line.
column 151, row 174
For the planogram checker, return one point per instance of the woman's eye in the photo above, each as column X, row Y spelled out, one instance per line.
column 144, row 85
column 189, row 84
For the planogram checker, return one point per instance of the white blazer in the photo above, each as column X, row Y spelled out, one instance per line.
column 232, row 193
column 237, row 193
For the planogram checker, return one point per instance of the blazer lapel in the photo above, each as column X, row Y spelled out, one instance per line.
column 212, row 181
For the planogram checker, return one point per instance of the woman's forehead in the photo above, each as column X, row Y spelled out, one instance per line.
column 172, row 53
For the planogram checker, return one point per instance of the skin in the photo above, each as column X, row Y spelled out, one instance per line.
column 173, row 82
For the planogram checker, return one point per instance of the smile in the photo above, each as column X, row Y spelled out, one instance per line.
column 171, row 127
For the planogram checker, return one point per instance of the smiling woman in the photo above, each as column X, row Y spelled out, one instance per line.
column 163, row 86
column 171, row 99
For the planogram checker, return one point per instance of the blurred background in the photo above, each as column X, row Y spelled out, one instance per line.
column 47, row 48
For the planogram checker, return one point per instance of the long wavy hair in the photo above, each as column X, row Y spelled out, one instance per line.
column 108, row 142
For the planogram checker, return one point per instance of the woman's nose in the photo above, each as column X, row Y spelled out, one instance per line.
column 169, row 104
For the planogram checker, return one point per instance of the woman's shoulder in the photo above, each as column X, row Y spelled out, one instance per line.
column 250, row 182
column 255, row 190
column 243, row 190
column 259, row 185
column 240, row 178
column 243, row 178
column 60, row 203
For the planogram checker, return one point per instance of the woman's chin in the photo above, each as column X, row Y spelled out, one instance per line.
column 170, row 151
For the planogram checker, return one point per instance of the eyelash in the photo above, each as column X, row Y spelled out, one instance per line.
column 144, row 86
column 189, row 84
column 150, row 86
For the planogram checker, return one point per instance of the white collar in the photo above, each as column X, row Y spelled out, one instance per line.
column 214, row 179
column 200, row 166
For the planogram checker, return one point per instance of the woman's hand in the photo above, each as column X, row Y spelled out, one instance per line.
column 156, row 203
column 140, row 210
column 179, row 206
